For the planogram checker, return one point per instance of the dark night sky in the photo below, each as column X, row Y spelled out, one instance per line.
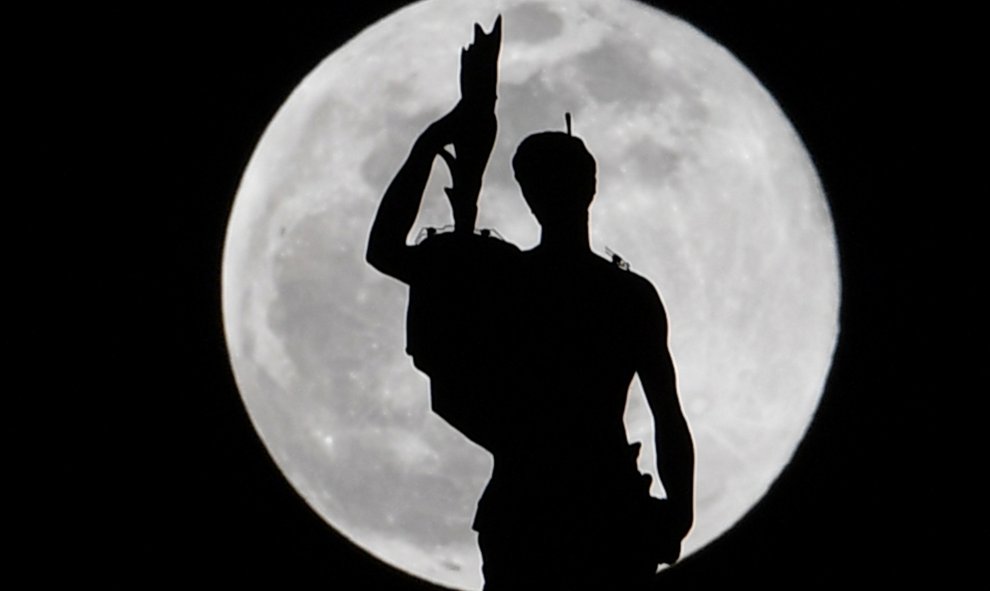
column 202, row 499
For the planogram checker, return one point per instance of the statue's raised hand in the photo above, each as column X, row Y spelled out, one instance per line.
column 473, row 124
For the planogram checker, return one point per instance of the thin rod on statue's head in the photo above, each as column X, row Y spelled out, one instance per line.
column 567, row 119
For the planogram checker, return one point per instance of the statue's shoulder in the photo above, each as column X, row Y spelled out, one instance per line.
column 444, row 249
column 635, row 288
column 443, row 238
column 619, row 270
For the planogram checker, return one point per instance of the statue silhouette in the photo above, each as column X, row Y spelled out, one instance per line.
column 531, row 355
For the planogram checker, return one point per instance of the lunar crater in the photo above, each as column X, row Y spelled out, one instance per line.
column 531, row 23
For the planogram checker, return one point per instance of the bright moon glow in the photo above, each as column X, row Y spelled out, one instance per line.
column 704, row 187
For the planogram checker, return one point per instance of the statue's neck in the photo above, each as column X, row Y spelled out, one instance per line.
column 566, row 236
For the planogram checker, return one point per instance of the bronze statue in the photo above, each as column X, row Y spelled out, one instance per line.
column 531, row 355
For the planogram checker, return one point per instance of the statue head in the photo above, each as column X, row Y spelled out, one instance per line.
column 557, row 175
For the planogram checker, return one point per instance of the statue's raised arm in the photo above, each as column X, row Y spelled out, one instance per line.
column 475, row 134
column 470, row 128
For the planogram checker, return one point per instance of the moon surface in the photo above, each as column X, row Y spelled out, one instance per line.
column 703, row 186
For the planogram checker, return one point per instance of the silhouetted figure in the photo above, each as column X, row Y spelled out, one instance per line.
column 566, row 505
column 531, row 355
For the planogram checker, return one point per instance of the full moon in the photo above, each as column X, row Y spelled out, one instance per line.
column 704, row 187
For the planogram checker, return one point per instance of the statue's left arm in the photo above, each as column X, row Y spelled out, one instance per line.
column 674, row 446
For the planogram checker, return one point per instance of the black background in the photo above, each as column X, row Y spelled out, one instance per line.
column 201, row 500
